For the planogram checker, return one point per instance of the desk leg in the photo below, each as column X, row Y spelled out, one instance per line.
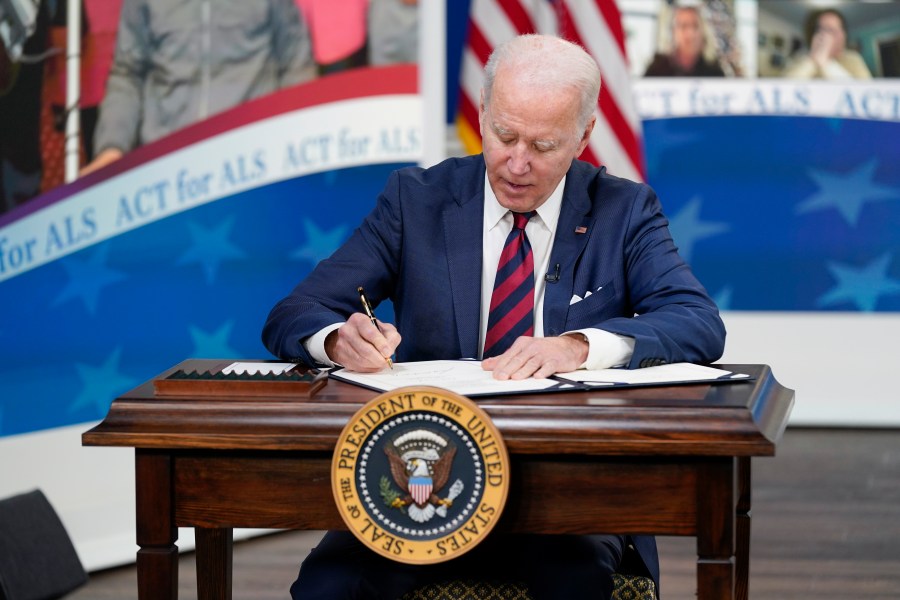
column 715, row 535
column 214, row 563
column 742, row 584
column 157, row 558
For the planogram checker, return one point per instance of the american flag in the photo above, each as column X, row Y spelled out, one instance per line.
column 595, row 25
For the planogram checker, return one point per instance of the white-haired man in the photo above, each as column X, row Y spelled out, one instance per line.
column 604, row 287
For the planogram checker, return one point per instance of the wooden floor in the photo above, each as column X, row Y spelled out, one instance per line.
column 826, row 525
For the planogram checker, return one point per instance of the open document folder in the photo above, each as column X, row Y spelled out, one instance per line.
column 466, row 377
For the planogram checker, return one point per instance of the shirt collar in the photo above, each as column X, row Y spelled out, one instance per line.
column 548, row 211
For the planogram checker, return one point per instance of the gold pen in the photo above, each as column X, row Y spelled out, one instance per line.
column 368, row 308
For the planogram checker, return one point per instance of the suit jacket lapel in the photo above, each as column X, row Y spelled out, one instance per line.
column 462, row 221
column 572, row 233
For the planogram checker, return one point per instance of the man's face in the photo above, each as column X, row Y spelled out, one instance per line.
column 687, row 34
column 530, row 140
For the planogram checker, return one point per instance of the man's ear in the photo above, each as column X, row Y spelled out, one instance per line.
column 481, row 113
column 586, row 136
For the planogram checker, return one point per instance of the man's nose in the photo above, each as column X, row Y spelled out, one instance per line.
column 519, row 162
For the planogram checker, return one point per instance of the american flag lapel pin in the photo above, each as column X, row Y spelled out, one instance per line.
column 581, row 229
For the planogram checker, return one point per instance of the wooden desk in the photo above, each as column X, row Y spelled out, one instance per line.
column 666, row 460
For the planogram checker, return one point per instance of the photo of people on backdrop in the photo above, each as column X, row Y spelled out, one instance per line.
column 838, row 41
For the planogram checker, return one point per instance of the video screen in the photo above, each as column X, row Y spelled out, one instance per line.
column 796, row 39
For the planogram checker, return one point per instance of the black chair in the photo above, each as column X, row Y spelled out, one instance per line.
column 37, row 558
column 626, row 587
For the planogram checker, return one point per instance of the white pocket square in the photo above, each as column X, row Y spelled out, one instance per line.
column 576, row 298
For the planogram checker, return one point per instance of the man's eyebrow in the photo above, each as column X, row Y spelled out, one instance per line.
column 499, row 130
column 540, row 144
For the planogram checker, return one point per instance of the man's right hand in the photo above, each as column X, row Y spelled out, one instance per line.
column 359, row 346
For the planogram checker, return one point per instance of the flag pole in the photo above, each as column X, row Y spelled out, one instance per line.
column 433, row 79
column 73, row 87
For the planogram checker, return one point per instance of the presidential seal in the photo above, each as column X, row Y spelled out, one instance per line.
column 420, row 475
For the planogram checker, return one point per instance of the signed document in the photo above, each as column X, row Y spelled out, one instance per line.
column 465, row 377
column 671, row 374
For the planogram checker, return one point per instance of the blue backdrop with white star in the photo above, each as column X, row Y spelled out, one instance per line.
column 82, row 330
column 773, row 213
column 783, row 213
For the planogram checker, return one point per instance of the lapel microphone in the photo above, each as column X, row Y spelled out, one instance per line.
column 552, row 277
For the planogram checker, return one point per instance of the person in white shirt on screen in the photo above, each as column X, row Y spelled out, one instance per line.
column 828, row 56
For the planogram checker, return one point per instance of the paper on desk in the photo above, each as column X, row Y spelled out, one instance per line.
column 671, row 374
column 263, row 368
column 465, row 377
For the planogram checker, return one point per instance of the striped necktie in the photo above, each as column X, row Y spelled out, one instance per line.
column 512, row 302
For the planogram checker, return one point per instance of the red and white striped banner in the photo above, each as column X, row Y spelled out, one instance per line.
column 595, row 25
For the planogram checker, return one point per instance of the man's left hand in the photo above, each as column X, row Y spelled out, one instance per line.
column 538, row 357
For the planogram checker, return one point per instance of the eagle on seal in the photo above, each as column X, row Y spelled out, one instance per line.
column 420, row 472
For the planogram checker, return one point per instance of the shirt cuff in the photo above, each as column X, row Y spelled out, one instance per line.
column 605, row 349
column 315, row 345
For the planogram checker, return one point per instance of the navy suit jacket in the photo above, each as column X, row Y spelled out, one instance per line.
column 421, row 247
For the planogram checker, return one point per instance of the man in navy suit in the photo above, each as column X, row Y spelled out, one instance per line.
column 609, row 290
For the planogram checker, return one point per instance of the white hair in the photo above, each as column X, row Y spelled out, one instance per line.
column 547, row 63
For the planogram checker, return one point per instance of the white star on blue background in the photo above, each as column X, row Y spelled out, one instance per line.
column 723, row 298
column 666, row 138
column 863, row 286
column 835, row 124
column 211, row 247
column 213, row 344
column 320, row 244
column 687, row 229
column 101, row 384
column 87, row 278
column 847, row 192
